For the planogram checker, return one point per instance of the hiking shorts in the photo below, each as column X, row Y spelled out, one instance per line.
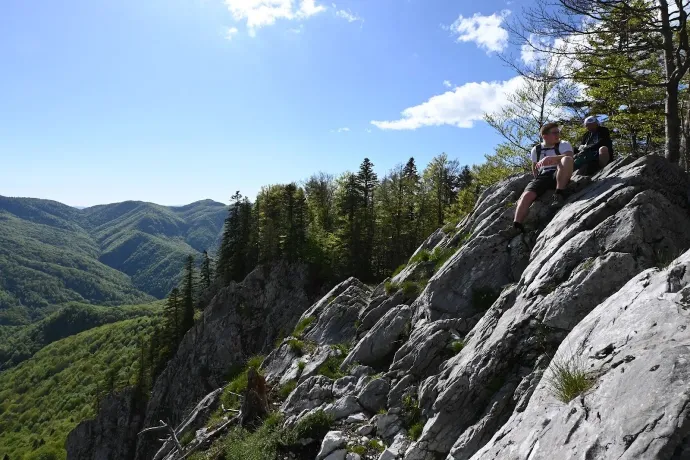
column 546, row 180
column 587, row 163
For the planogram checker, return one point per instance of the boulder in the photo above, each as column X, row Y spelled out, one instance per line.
column 336, row 320
column 630, row 218
column 334, row 440
column 381, row 340
column 634, row 347
column 374, row 395
column 308, row 395
column 343, row 407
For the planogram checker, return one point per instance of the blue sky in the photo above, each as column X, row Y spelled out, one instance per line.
column 173, row 101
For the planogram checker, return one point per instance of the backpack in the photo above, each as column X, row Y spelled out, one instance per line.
column 555, row 149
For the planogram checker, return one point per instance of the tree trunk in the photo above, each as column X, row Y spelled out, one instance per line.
column 672, row 124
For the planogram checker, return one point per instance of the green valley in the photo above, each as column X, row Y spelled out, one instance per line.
column 123, row 253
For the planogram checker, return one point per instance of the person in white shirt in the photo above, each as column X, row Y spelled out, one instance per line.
column 552, row 166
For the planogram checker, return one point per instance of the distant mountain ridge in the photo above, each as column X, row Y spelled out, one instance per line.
column 128, row 252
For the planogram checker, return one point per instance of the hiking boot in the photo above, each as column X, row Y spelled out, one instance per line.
column 557, row 201
column 511, row 231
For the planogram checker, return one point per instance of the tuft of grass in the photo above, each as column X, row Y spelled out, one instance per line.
column 286, row 389
column 665, row 256
column 441, row 255
column 399, row 269
column 331, row 367
column 382, row 411
column 302, row 326
column 587, row 264
column 296, row 345
column 391, row 287
column 457, row 346
column 301, row 365
column 568, row 379
column 422, row 256
column 411, row 288
column 314, row 426
column 357, row 449
column 412, row 414
column 484, row 297
column 449, row 228
column 343, row 348
column 376, row 445
column 415, row 431
column 239, row 384
column 331, row 299
column 188, row 437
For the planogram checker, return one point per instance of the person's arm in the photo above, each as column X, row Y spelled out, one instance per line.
column 552, row 160
column 604, row 139
column 535, row 170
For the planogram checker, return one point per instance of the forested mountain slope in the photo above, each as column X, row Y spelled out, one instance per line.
column 123, row 253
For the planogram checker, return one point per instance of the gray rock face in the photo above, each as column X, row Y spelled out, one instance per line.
column 400, row 389
column 310, row 394
column 344, row 385
column 315, row 310
column 242, row 320
column 336, row 321
column 314, row 361
column 112, row 434
column 333, row 441
column 636, row 348
column 608, row 232
column 422, row 354
column 378, row 307
column 373, row 397
column 388, row 425
column 381, row 340
column 279, row 362
column 343, row 407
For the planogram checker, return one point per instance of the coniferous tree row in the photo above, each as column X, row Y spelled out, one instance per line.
column 352, row 225
column 188, row 295
column 206, row 271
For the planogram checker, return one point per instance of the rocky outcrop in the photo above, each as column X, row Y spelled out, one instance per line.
column 607, row 233
column 635, row 349
column 465, row 370
column 242, row 320
column 113, row 433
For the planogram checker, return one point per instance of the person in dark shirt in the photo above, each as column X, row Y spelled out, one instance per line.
column 596, row 150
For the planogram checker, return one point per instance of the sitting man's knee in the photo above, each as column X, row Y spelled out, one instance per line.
column 567, row 161
column 603, row 150
column 528, row 195
column 604, row 156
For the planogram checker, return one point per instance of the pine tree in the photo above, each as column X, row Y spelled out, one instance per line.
column 206, row 271
column 367, row 181
column 188, row 295
column 173, row 319
column 141, row 384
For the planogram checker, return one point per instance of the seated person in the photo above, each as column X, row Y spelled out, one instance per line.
column 596, row 150
column 552, row 166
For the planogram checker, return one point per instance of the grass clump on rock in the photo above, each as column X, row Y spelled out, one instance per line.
column 568, row 379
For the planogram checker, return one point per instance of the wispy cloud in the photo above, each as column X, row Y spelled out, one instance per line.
column 461, row 107
column 341, row 130
column 447, row 83
column 485, row 31
column 262, row 13
column 230, row 33
column 348, row 15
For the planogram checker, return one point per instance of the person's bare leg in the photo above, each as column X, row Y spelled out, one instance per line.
column 523, row 205
column 564, row 172
column 604, row 156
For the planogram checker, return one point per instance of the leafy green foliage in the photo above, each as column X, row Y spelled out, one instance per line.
column 457, row 346
column 331, row 367
column 296, row 346
column 314, row 426
column 357, row 449
column 125, row 253
column 440, row 255
column 238, row 385
column 286, row 389
column 391, row 287
column 412, row 416
column 20, row 343
column 45, row 397
column 412, row 288
column 421, row 256
column 376, row 445
column 302, row 326
column 399, row 269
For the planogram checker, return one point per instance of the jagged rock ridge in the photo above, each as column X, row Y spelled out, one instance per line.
column 462, row 370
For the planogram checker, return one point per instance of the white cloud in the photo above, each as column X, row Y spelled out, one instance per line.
column 447, row 83
column 341, row 130
column 231, row 32
column 261, row 13
column 348, row 15
column 485, row 31
column 461, row 107
column 298, row 30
